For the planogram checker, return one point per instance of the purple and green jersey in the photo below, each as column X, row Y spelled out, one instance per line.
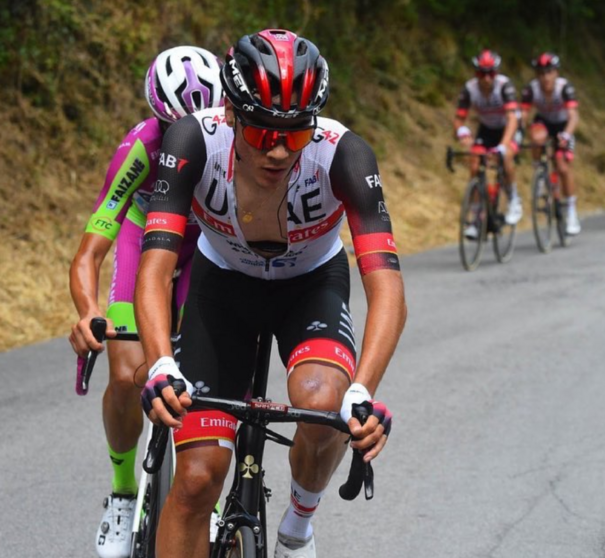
column 121, row 211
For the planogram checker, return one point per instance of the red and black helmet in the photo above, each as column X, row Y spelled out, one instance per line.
column 546, row 61
column 487, row 61
column 276, row 73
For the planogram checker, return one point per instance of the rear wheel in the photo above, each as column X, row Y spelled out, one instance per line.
column 542, row 210
column 503, row 233
column 473, row 225
column 245, row 544
column 158, row 486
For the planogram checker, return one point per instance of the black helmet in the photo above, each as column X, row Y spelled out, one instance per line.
column 276, row 73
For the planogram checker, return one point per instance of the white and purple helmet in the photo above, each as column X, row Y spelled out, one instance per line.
column 182, row 80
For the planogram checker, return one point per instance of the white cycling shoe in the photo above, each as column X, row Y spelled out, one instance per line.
column 573, row 226
column 282, row 549
column 471, row 232
column 514, row 212
column 113, row 534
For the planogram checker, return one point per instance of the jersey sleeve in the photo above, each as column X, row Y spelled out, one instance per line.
column 509, row 96
column 356, row 183
column 569, row 96
column 527, row 97
column 181, row 164
column 127, row 171
column 464, row 103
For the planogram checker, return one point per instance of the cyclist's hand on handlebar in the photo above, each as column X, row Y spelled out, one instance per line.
column 372, row 436
column 564, row 139
column 159, row 400
column 82, row 339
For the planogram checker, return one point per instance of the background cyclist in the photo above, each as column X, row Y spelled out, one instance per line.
column 180, row 81
column 556, row 104
column 269, row 182
column 492, row 95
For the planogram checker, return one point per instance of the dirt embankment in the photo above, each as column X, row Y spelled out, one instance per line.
column 46, row 196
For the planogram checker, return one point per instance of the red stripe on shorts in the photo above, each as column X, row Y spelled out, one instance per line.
column 323, row 350
column 206, row 428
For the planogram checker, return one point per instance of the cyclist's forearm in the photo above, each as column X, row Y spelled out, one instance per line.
column 385, row 319
column 84, row 275
column 510, row 128
column 572, row 122
column 152, row 303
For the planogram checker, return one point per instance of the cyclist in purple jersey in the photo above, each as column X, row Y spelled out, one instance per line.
column 556, row 104
column 270, row 183
column 492, row 95
column 180, row 81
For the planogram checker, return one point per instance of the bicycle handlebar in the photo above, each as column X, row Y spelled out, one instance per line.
column 85, row 365
column 360, row 473
column 451, row 154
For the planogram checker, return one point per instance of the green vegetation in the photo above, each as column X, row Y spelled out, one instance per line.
column 72, row 74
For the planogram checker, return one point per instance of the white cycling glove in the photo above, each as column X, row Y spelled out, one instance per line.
column 159, row 374
column 357, row 393
column 463, row 132
column 501, row 148
column 564, row 136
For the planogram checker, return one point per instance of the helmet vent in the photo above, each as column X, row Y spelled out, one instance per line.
column 302, row 48
column 260, row 45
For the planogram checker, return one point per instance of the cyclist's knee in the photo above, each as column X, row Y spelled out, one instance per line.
column 197, row 483
column 318, row 387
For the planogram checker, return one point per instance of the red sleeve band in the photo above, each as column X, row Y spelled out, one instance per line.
column 365, row 244
column 166, row 222
column 375, row 251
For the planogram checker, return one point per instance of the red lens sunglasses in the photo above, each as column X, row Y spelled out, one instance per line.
column 266, row 139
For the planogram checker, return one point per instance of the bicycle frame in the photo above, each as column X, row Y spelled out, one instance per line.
column 486, row 196
column 245, row 506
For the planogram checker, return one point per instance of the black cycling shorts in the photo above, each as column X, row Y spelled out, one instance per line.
column 226, row 310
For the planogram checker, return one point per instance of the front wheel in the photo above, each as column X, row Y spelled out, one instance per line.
column 473, row 225
column 561, row 214
column 156, row 491
column 503, row 233
column 244, row 544
column 542, row 210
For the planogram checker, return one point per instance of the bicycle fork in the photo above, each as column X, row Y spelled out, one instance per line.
column 245, row 504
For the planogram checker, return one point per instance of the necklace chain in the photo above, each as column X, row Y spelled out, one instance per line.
column 248, row 216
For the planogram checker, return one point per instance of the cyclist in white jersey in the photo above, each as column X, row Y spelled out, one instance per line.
column 180, row 81
column 492, row 95
column 556, row 104
column 270, row 183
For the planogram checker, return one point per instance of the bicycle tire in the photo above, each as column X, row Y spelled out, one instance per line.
column 542, row 206
column 245, row 544
column 158, row 486
column 503, row 235
column 473, row 212
column 561, row 214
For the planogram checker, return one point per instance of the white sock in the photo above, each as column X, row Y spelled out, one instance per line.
column 296, row 522
column 513, row 191
column 571, row 202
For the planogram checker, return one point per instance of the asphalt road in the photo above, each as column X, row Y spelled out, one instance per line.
column 498, row 449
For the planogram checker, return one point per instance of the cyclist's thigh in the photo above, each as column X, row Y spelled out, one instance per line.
column 488, row 137
column 219, row 330
column 315, row 324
